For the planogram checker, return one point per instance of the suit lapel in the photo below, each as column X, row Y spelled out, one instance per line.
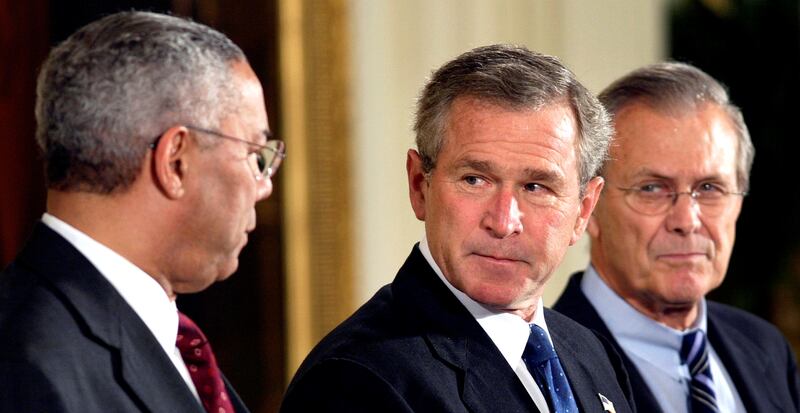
column 575, row 366
column 573, row 303
column 489, row 385
column 237, row 402
column 746, row 364
column 589, row 365
column 148, row 373
column 579, row 377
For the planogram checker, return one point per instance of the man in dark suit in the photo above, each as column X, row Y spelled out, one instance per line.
column 153, row 130
column 655, row 254
column 504, row 179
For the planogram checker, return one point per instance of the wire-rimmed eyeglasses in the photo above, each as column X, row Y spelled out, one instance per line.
column 656, row 199
column 265, row 161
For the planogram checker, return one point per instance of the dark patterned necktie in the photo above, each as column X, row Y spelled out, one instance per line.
column 542, row 361
column 694, row 353
column 202, row 365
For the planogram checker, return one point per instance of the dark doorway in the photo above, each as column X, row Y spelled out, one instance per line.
column 753, row 47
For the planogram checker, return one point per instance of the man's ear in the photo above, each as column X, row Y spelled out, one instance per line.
column 170, row 164
column 590, row 197
column 417, row 183
column 593, row 228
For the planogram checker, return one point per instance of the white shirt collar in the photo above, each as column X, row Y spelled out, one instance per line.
column 140, row 291
column 509, row 332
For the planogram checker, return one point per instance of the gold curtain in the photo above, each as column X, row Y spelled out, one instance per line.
column 317, row 221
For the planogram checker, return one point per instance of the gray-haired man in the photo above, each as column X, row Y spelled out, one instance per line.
column 154, row 134
column 662, row 234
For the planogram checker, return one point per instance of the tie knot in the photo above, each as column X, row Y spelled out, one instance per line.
column 693, row 347
column 189, row 334
column 538, row 349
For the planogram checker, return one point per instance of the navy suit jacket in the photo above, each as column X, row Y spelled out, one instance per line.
column 413, row 347
column 755, row 354
column 70, row 343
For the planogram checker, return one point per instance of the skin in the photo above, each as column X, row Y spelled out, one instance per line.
column 186, row 217
column 664, row 265
column 503, row 202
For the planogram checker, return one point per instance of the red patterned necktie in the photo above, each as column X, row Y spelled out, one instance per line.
column 202, row 365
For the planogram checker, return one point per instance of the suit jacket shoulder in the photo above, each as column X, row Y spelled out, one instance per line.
column 757, row 357
column 574, row 304
column 69, row 342
column 755, row 354
column 411, row 348
column 592, row 365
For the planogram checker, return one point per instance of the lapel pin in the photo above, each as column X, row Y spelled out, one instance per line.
column 607, row 405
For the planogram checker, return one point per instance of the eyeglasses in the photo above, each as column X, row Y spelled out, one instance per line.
column 656, row 199
column 265, row 162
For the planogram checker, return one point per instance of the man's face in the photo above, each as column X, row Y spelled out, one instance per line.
column 226, row 189
column 503, row 203
column 665, row 262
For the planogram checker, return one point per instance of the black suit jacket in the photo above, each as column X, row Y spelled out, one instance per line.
column 413, row 347
column 70, row 343
column 755, row 354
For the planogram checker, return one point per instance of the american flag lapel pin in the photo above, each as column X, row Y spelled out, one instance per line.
column 607, row 405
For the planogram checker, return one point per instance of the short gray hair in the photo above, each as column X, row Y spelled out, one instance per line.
column 680, row 86
column 517, row 78
column 111, row 88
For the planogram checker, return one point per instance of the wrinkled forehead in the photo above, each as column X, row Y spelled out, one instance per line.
column 673, row 144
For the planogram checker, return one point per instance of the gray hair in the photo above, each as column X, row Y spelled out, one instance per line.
column 673, row 86
column 517, row 78
column 111, row 88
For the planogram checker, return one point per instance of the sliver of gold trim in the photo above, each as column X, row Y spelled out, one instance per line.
column 316, row 123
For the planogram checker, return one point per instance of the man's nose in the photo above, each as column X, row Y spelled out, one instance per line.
column 684, row 215
column 503, row 217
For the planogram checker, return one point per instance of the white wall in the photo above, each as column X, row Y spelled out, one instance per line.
column 395, row 46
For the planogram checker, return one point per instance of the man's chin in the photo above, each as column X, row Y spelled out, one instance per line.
column 507, row 300
column 229, row 270
column 196, row 285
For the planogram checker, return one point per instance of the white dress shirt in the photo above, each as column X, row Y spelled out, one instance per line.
column 145, row 296
column 507, row 331
column 655, row 349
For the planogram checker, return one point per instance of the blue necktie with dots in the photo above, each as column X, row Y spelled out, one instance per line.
column 544, row 366
column 694, row 353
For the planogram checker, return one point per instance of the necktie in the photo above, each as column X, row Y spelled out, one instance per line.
column 694, row 353
column 202, row 365
column 543, row 363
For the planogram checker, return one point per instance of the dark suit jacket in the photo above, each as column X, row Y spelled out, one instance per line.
column 755, row 354
column 413, row 347
column 70, row 343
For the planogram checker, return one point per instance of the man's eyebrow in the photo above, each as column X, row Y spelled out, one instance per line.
column 646, row 172
column 480, row 166
column 541, row 175
column 529, row 174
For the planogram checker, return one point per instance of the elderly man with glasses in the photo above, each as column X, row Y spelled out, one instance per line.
column 662, row 235
column 156, row 145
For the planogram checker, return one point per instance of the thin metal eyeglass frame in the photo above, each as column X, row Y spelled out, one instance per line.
column 270, row 167
column 694, row 194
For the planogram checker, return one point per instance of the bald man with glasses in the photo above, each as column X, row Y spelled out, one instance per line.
column 661, row 238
